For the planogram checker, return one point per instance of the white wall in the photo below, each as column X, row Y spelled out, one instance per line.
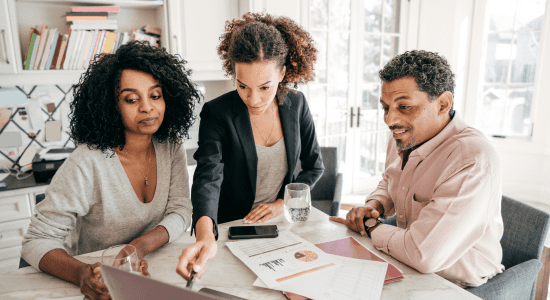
column 446, row 27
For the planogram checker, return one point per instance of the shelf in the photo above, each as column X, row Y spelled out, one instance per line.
column 49, row 77
column 120, row 3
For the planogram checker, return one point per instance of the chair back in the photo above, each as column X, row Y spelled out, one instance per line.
column 525, row 230
column 324, row 188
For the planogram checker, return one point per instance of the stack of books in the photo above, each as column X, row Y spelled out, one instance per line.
column 91, row 32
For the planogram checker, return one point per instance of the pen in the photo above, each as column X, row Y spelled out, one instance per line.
column 191, row 280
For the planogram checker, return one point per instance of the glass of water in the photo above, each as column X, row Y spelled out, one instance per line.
column 297, row 202
column 123, row 257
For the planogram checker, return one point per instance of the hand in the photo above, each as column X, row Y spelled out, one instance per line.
column 89, row 283
column 143, row 268
column 264, row 212
column 195, row 257
column 356, row 216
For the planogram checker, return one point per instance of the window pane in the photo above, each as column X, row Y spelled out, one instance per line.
column 317, row 101
column 391, row 48
column 391, row 15
column 524, row 64
column 518, row 111
column 498, row 54
column 369, row 108
column 340, row 143
column 338, row 108
column 318, row 13
column 530, row 15
column 491, row 109
column 373, row 15
column 383, row 138
column 338, row 51
column 501, row 14
column 340, row 14
column 371, row 58
column 320, row 39
column 368, row 153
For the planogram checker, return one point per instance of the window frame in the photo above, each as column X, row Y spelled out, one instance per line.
column 539, row 141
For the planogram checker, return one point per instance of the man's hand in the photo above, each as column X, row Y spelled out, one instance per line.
column 356, row 216
column 195, row 257
column 90, row 286
column 264, row 212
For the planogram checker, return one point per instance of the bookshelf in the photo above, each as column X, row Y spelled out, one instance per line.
column 189, row 28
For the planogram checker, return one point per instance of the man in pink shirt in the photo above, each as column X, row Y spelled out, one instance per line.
column 442, row 180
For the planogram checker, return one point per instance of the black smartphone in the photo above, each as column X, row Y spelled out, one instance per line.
column 253, row 232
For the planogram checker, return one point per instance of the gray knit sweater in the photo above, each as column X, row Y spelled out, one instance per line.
column 90, row 204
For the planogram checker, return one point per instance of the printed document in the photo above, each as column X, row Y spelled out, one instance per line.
column 351, row 279
column 283, row 259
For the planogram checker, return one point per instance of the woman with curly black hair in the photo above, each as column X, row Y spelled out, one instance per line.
column 251, row 139
column 126, row 182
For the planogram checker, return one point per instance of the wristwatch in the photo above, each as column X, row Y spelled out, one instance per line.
column 370, row 224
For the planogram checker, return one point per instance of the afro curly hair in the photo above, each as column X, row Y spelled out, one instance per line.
column 431, row 72
column 259, row 37
column 95, row 119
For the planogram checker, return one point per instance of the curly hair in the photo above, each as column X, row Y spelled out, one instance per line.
column 431, row 72
column 260, row 37
column 95, row 119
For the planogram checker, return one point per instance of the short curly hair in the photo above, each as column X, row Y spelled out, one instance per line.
column 95, row 119
column 259, row 37
column 431, row 72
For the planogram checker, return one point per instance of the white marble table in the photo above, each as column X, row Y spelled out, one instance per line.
column 228, row 274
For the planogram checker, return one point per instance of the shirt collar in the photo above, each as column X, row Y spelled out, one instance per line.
column 455, row 126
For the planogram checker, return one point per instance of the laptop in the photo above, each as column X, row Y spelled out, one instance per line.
column 123, row 285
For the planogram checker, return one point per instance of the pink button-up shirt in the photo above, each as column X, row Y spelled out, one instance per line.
column 447, row 204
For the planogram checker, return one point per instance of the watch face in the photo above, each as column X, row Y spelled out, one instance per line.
column 370, row 222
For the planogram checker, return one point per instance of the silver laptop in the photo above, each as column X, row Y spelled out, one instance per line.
column 123, row 285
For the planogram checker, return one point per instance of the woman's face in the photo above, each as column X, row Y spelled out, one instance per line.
column 141, row 103
column 257, row 84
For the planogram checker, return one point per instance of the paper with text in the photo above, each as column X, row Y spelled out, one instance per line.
column 282, row 259
column 351, row 279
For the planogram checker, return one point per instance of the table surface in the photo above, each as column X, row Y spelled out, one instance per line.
column 228, row 274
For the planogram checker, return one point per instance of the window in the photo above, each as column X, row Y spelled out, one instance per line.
column 510, row 53
column 355, row 39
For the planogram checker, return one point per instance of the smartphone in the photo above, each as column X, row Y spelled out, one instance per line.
column 253, row 232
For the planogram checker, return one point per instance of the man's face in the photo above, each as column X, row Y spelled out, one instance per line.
column 410, row 115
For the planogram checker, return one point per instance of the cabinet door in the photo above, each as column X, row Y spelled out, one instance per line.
column 11, row 233
column 7, row 47
column 14, row 207
column 195, row 30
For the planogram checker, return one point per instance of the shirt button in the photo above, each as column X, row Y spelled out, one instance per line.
column 400, row 216
column 403, row 187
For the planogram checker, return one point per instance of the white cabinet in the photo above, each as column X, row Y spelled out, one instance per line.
column 7, row 49
column 196, row 27
column 16, row 208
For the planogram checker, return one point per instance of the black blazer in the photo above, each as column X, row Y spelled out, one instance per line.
column 224, row 183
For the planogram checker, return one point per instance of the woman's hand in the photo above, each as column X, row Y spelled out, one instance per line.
column 264, row 212
column 143, row 268
column 195, row 257
column 89, row 283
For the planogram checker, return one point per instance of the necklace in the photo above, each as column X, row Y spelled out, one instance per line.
column 273, row 126
column 148, row 162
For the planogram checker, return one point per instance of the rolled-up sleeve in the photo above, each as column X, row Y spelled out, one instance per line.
column 177, row 217
column 448, row 226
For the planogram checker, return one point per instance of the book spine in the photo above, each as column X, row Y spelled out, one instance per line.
column 51, row 52
column 34, row 50
column 95, row 8
column 56, row 52
column 70, row 45
column 62, row 52
column 91, row 46
column 47, row 49
column 96, row 45
column 91, row 18
column 109, row 42
column 41, row 46
column 29, row 51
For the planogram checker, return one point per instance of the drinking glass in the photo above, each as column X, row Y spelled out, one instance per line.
column 297, row 202
column 123, row 257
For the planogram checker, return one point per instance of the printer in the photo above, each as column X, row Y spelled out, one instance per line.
column 47, row 162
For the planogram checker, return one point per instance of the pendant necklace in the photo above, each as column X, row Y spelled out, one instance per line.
column 148, row 162
column 273, row 126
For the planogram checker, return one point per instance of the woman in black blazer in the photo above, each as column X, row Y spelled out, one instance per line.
column 251, row 139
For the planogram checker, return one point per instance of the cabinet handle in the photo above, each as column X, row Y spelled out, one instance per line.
column 358, row 115
column 5, row 48
column 1, row 236
column 351, row 117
